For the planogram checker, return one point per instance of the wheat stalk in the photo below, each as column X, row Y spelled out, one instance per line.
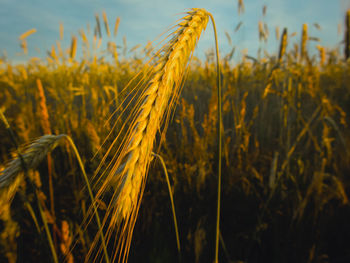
column 129, row 172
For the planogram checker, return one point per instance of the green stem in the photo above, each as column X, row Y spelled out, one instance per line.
column 172, row 203
column 218, row 83
column 31, row 212
column 47, row 230
column 91, row 196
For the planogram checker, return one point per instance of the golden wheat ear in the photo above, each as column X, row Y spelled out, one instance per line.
column 36, row 152
column 129, row 172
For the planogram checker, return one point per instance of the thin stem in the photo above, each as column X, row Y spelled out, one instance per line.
column 31, row 212
column 92, row 198
column 47, row 230
column 218, row 83
column 13, row 138
column 172, row 204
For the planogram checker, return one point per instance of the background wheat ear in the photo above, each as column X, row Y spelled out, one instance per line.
column 283, row 45
column 347, row 34
column 31, row 157
column 128, row 173
column 303, row 44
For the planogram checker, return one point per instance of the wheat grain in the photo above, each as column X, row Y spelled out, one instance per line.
column 168, row 73
column 129, row 172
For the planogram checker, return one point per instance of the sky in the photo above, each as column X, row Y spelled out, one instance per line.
column 144, row 20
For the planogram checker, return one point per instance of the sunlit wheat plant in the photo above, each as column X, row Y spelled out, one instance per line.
column 128, row 170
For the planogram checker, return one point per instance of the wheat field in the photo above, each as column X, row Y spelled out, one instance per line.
column 81, row 135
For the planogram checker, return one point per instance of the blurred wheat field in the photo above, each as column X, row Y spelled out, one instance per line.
column 286, row 152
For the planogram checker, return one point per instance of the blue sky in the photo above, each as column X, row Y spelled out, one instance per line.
column 142, row 20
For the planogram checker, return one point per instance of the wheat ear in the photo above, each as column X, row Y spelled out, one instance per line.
column 129, row 172
column 35, row 153
column 43, row 113
column 304, row 39
column 32, row 156
column 283, row 45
